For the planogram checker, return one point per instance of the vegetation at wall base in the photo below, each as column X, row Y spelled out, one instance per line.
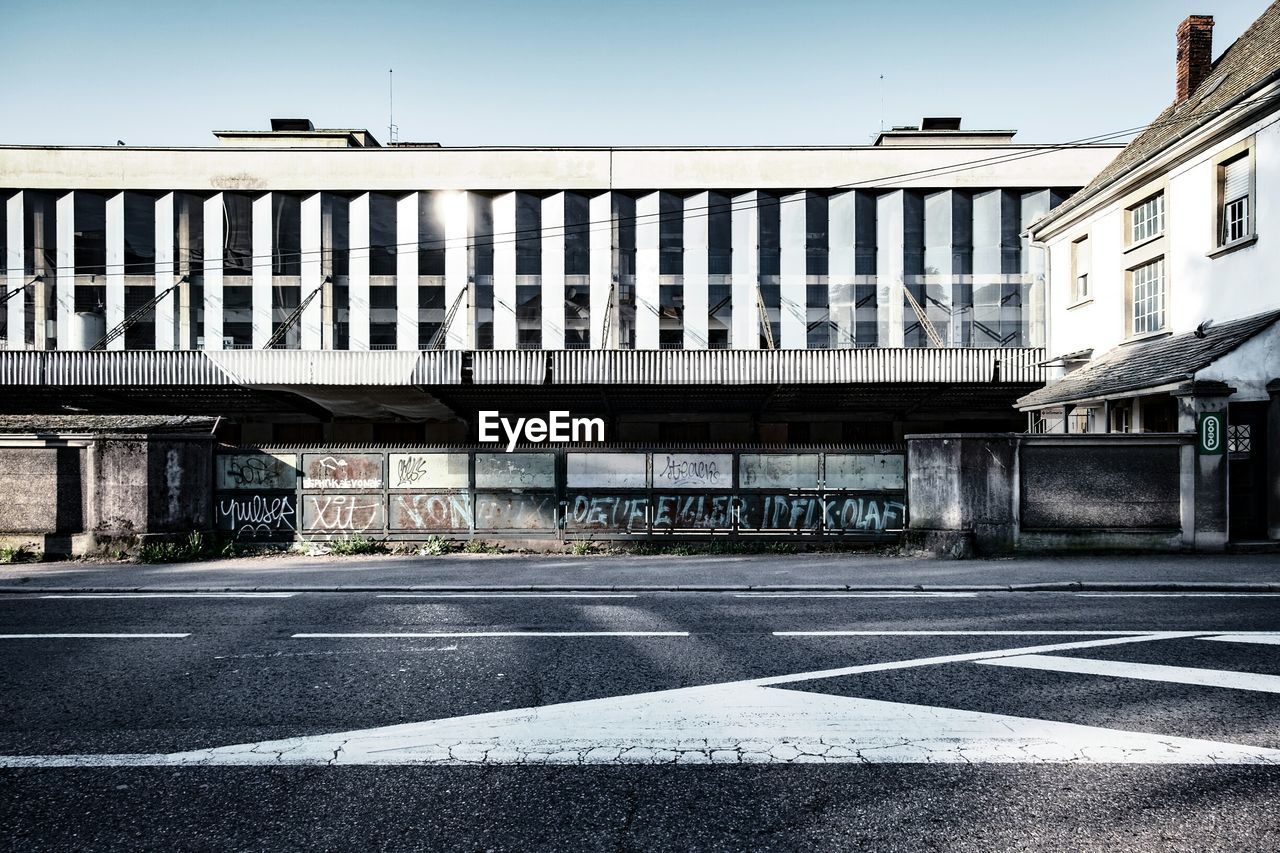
column 17, row 554
column 195, row 547
column 348, row 546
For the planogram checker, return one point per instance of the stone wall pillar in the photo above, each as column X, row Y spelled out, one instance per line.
column 1204, row 475
column 962, row 493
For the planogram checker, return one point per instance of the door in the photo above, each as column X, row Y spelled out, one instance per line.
column 1247, row 470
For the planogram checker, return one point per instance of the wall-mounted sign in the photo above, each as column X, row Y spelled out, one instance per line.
column 1212, row 433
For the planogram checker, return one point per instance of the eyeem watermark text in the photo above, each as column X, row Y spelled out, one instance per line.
column 556, row 427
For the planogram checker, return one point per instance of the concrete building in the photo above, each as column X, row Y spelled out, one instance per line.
column 837, row 293
column 1162, row 298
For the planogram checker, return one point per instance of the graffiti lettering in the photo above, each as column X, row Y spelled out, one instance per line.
column 689, row 471
column 431, row 512
column 257, row 515
column 342, row 513
column 515, row 512
column 608, row 512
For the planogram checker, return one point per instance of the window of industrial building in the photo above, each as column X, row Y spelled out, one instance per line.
column 670, row 234
column 286, row 234
column 335, row 261
column 577, row 271
column 720, row 271
column 40, row 246
column 1081, row 261
column 820, row 330
column 285, row 299
column 382, row 234
column 237, row 316
column 139, row 234
column 528, row 234
column 1235, row 190
column 382, row 316
column 90, row 234
column 1147, row 297
column 816, row 239
column 431, row 268
column 1146, row 219
column 671, row 316
column 624, row 265
column 141, row 334
column 528, row 271
column 480, row 266
column 237, row 234
column 188, row 234
column 769, row 255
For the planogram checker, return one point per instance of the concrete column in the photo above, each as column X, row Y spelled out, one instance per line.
column 889, row 266
column 648, row 249
column 312, row 320
column 794, row 311
column 696, row 281
column 358, row 273
column 15, row 271
column 1204, row 476
column 407, row 272
column 183, row 236
column 602, row 285
column 504, row 271
column 115, row 268
column 1273, row 460
column 263, row 256
column 842, row 266
column 213, row 272
column 456, row 207
column 553, row 271
column 165, row 308
column 1035, row 300
column 66, row 272
column 746, row 270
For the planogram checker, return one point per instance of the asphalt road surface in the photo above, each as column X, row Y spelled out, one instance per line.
column 640, row 721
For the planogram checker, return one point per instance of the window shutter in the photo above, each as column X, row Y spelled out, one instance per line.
column 1235, row 179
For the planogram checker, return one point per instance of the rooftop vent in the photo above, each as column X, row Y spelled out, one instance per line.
column 940, row 123
column 279, row 124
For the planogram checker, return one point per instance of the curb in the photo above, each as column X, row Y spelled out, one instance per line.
column 1069, row 586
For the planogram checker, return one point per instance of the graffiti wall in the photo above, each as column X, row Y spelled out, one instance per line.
column 418, row 494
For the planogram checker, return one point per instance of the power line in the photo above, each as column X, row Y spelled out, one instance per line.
column 519, row 235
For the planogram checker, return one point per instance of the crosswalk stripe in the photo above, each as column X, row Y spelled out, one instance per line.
column 1143, row 672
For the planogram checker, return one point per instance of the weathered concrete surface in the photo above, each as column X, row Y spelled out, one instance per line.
column 962, row 484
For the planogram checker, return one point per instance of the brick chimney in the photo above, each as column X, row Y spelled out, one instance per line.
column 1195, row 53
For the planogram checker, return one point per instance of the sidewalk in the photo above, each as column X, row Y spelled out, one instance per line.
column 1240, row 573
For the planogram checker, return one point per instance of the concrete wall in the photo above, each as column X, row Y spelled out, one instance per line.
column 78, row 495
column 997, row 493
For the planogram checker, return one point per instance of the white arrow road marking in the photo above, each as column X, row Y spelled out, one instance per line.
column 738, row 722
column 1144, row 672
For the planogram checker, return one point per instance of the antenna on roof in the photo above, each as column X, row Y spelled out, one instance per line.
column 393, row 129
column 882, row 103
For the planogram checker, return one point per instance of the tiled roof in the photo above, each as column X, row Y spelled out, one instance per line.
column 1250, row 60
column 1148, row 365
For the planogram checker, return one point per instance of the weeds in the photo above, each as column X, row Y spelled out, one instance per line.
column 16, row 554
column 194, row 548
column 480, row 546
column 581, row 547
column 435, row 546
column 348, row 546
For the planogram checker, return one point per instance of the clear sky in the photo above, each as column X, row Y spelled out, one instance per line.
column 561, row 72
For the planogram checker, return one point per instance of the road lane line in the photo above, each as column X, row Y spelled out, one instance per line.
column 93, row 636
column 1259, row 638
column 127, row 595
column 855, row 595
column 1143, row 672
column 1028, row 633
column 1178, row 594
column 478, row 634
column 508, row 595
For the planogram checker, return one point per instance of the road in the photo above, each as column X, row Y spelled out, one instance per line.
column 640, row 721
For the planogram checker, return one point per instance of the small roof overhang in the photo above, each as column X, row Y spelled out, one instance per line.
column 1160, row 365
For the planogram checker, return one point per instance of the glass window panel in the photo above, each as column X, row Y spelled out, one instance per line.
column 139, row 235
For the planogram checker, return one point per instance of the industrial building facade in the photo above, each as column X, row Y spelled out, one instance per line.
column 320, row 240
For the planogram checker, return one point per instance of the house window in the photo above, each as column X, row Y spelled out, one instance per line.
column 1147, row 297
column 1235, row 187
column 1080, row 263
column 1146, row 220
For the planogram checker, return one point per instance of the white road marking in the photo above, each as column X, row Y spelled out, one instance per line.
column 93, row 636
column 1144, row 672
column 965, row 633
column 855, row 595
column 476, row 634
column 744, row 722
column 1259, row 638
column 96, row 595
column 509, row 595
column 1178, row 594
